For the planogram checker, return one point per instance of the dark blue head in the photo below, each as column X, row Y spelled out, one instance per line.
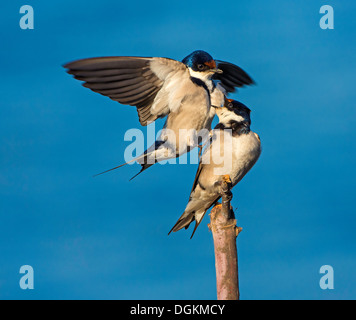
column 200, row 61
column 234, row 115
column 239, row 109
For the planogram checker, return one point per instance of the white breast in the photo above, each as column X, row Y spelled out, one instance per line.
column 246, row 151
column 232, row 155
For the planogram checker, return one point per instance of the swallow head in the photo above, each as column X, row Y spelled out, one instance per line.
column 233, row 111
column 201, row 64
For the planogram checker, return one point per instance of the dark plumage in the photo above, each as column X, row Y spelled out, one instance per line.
column 127, row 80
column 232, row 76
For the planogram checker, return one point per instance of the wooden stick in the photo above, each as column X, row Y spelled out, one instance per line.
column 223, row 226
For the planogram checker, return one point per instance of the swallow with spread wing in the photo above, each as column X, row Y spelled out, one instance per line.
column 161, row 87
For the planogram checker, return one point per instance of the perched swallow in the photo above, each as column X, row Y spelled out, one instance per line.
column 244, row 151
column 161, row 87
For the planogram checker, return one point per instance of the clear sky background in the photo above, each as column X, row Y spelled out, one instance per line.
column 106, row 237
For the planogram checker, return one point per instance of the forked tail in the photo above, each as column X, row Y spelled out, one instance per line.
column 142, row 160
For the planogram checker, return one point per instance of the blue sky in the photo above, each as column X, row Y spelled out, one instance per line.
column 106, row 237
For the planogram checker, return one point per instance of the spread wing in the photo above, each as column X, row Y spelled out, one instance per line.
column 232, row 76
column 137, row 81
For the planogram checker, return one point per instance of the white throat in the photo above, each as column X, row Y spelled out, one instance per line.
column 225, row 116
column 204, row 76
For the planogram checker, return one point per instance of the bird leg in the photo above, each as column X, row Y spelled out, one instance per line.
column 225, row 185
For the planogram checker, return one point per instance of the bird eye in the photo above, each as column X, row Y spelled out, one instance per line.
column 200, row 66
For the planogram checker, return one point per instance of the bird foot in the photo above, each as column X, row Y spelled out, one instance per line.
column 226, row 178
column 225, row 187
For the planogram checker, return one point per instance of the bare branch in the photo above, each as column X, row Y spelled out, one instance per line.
column 223, row 227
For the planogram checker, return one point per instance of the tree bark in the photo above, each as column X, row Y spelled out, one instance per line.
column 223, row 226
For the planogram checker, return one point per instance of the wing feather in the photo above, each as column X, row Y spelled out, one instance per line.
column 107, row 78
column 134, row 81
column 232, row 76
